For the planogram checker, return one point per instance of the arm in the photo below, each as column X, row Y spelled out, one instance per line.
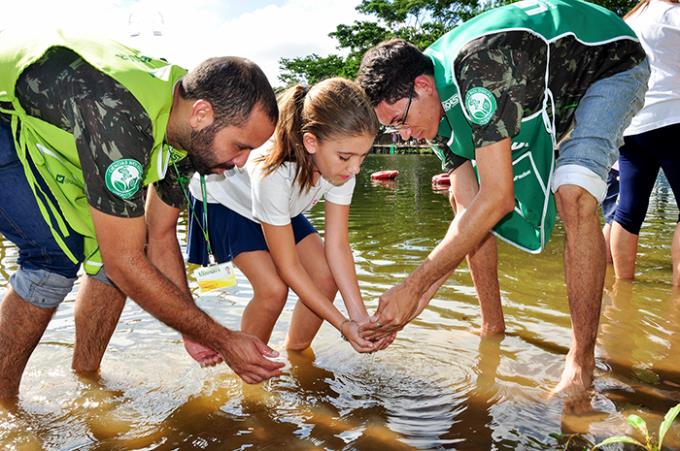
column 162, row 245
column 281, row 243
column 340, row 259
column 164, row 253
column 122, row 241
column 341, row 262
column 493, row 201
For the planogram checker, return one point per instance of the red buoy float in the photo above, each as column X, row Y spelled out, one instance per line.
column 441, row 179
column 385, row 175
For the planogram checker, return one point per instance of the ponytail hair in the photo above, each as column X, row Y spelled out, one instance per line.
column 642, row 4
column 331, row 109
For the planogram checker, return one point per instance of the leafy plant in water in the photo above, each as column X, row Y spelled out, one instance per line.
column 639, row 424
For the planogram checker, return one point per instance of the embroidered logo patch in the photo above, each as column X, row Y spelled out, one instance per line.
column 123, row 177
column 481, row 105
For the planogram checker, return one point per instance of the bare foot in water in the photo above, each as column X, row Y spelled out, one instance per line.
column 202, row 354
column 576, row 377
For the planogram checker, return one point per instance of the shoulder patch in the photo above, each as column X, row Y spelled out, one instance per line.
column 480, row 104
column 124, row 177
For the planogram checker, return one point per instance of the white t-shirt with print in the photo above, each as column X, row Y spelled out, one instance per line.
column 658, row 27
column 272, row 199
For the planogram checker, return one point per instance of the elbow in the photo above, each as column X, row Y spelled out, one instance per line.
column 120, row 269
column 506, row 205
column 501, row 203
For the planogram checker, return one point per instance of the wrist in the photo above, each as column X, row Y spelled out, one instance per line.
column 357, row 312
column 342, row 328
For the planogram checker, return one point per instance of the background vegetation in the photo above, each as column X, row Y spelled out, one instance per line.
column 418, row 21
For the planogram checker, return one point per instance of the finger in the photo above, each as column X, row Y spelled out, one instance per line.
column 364, row 343
column 248, row 378
column 372, row 335
column 363, row 349
column 265, row 350
column 383, row 343
column 266, row 364
column 261, row 373
column 210, row 361
column 368, row 327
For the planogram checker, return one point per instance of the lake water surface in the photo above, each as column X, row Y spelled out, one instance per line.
column 439, row 386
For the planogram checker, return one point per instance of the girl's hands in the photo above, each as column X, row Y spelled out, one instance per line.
column 350, row 330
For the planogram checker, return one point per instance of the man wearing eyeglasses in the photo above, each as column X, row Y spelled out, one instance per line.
column 503, row 89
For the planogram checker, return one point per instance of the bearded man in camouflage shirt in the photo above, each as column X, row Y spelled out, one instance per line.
column 84, row 124
column 503, row 89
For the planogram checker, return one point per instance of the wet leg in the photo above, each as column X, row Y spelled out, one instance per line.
column 483, row 260
column 305, row 323
column 585, row 266
column 97, row 310
column 21, row 326
column 624, row 249
column 269, row 293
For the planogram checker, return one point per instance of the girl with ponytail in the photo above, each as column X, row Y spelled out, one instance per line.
column 256, row 216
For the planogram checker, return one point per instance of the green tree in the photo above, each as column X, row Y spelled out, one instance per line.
column 420, row 22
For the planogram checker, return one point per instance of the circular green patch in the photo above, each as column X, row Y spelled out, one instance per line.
column 481, row 105
column 124, row 177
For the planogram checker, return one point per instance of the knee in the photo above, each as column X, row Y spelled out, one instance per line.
column 325, row 281
column 272, row 296
column 575, row 204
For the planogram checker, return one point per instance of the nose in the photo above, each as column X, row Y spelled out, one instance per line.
column 240, row 160
column 405, row 133
column 354, row 168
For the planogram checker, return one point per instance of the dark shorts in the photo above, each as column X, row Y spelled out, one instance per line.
column 611, row 199
column 641, row 158
column 230, row 233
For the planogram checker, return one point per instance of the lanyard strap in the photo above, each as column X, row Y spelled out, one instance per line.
column 203, row 225
column 206, row 234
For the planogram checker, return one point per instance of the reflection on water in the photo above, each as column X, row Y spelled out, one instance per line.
column 439, row 386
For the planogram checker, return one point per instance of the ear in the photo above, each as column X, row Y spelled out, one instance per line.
column 425, row 84
column 202, row 114
column 310, row 142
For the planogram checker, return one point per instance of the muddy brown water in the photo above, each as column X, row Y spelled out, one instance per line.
column 439, row 386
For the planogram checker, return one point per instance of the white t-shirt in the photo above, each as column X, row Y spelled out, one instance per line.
column 272, row 199
column 658, row 27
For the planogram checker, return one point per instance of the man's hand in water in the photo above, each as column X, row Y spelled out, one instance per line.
column 249, row 357
column 245, row 354
column 204, row 355
column 396, row 308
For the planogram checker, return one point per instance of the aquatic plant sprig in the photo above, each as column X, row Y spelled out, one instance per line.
column 640, row 425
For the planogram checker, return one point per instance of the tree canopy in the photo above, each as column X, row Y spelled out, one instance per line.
column 420, row 22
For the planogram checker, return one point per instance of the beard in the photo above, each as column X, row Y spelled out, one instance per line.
column 202, row 153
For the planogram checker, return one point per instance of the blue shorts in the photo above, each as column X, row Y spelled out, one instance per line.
column 604, row 112
column 641, row 158
column 231, row 233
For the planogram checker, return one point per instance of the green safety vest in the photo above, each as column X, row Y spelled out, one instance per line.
column 53, row 150
column 531, row 223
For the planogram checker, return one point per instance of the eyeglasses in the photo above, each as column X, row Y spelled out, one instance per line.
column 401, row 124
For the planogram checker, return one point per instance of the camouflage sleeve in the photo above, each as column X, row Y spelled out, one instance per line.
column 501, row 79
column 173, row 188
column 112, row 131
column 450, row 161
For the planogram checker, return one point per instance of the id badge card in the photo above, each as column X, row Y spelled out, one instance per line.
column 215, row 277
